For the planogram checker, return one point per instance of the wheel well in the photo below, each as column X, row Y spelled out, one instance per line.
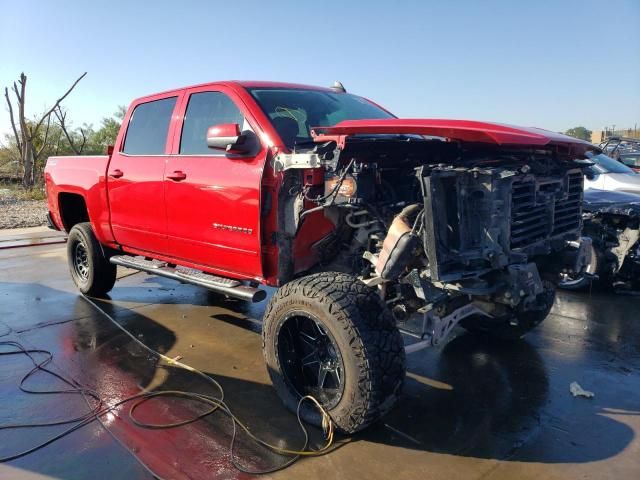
column 73, row 209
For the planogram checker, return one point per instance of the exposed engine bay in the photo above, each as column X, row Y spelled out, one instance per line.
column 612, row 220
column 447, row 230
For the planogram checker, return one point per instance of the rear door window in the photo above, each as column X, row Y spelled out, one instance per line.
column 148, row 127
column 204, row 110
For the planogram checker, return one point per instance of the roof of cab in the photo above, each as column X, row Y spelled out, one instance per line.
column 240, row 83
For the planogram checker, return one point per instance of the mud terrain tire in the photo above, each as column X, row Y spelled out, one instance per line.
column 362, row 329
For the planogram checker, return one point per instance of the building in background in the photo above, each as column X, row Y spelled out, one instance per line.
column 598, row 136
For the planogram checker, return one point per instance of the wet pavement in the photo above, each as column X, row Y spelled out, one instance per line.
column 470, row 409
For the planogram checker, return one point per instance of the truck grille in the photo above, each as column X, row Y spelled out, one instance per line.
column 568, row 212
column 541, row 209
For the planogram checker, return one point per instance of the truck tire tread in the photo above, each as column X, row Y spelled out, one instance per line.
column 102, row 276
column 366, row 326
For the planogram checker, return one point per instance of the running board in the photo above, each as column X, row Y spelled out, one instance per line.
column 226, row 286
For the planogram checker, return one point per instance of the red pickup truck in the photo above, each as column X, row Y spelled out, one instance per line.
column 370, row 225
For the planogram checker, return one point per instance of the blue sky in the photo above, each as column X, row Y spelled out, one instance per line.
column 552, row 64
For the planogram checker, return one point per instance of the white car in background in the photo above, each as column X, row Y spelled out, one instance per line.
column 609, row 174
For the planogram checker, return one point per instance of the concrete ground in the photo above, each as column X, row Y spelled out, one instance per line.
column 25, row 237
column 470, row 409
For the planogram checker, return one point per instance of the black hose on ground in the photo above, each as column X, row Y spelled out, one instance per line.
column 101, row 408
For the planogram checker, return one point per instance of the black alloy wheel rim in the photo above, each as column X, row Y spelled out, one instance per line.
column 81, row 261
column 310, row 360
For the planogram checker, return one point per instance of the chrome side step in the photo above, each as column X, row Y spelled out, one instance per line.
column 226, row 286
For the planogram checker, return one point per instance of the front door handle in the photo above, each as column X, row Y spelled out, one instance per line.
column 177, row 176
column 117, row 173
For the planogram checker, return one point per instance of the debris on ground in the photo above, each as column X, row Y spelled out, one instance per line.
column 577, row 391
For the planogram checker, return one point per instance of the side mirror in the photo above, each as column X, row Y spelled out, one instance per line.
column 590, row 174
column 226, row 136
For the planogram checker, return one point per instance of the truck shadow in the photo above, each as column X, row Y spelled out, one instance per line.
column 471, row 398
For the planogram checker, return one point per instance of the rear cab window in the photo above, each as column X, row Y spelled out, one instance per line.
column 148, row 127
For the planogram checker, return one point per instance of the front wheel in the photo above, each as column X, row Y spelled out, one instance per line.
column 581, row 281
column 329, row 336
column 515, row 324
column 90, row 269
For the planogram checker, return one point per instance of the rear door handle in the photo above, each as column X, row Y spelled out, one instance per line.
column 177, row 176
column 117, row 173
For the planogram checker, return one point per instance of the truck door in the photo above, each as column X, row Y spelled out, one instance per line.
column 135, row 177
column 213, row 199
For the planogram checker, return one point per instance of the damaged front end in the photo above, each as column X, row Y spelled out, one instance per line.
column 450, row 230
column 612, row 221
column 491, row 235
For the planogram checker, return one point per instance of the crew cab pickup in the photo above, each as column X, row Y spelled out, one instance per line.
column 370, row 225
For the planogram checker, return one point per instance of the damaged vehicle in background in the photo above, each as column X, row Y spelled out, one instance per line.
column 612, row 221
column 619, row 148
column 609, row 174
column 370, row 226
column 631, row 160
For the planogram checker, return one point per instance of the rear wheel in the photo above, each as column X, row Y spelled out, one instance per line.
column 329, row 336
column 514, row 325
column 90, row 269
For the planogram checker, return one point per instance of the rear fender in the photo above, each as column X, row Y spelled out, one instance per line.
column 92, row 200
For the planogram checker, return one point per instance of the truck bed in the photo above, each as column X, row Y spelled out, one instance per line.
column 81, row 175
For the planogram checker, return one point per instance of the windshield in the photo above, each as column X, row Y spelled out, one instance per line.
column 294, row 111
column 604, row 164
column 631, row 159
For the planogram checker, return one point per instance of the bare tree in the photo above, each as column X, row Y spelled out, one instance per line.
column 28, row 131
column 61, row 115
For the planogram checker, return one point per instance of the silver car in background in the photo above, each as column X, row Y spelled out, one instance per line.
column 609, row 174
